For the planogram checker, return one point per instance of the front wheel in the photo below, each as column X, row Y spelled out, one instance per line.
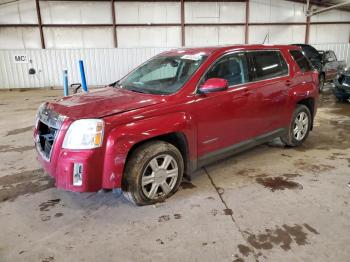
column 153, row 173
column 299, row 128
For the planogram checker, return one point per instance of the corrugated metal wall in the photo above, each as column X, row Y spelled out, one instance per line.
column 102, row 66
column 342, row 51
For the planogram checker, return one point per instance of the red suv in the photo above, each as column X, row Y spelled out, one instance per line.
column 175, row 113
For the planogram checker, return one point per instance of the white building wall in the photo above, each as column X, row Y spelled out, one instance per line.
column 136, row 13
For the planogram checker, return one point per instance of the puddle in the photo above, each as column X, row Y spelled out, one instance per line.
column 46, row 206
column 282, row 237
column 27, row 182
column 301, row 164
column 278, row 183
column 20, row 130
column 187, row 185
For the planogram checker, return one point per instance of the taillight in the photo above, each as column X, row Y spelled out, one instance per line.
column 315, row 77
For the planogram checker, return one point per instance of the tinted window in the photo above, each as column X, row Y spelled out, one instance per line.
column 301, row 60
column 268, row 64
column 329, row 56
column 310, row 52
column 332, row 55
column 162, row 74
column 232, row 67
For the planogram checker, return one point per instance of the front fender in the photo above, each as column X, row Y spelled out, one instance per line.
column 123, row 137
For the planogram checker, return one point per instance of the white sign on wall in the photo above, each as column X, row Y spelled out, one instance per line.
column 21, row 59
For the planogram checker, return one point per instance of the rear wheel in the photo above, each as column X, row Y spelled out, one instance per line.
column 153, row 173
column 299, row 128
column 321, row 80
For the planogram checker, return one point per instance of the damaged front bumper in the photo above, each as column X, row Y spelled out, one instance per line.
column 73, row 170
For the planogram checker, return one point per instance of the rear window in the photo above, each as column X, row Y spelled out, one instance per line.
column 268, row 64
column 301, row 60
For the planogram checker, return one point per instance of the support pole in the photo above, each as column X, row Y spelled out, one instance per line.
column 115, row 41
column 40, row 24
column 183, row 42
column 307, row 28
column 246, row 32
column 82, row 75
column 65, row 82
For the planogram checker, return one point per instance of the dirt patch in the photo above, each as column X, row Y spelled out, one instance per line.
column 280, row 236
column 308, row 167
column 311, row 229
column 19, row 130
column 164, row 218
column 246, row 171
column 228, row 212
column 27, row 182
column 58, row 214
column 278, row 183
column 291, row 175
column 177, row 216
column 46, row 206
column 187, row 185
column 244, row 250
column 7, row 148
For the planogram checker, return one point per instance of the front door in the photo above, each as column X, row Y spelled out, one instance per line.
column 223, row 117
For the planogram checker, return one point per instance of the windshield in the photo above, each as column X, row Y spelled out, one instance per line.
column 162, row 74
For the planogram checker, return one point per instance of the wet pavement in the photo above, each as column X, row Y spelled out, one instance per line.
column 270, row 203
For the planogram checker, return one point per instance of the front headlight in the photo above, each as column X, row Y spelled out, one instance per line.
column 84, row 134
column 37, row 116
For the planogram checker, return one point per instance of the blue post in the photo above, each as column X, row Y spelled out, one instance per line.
column 82, row 75
column 65, row 82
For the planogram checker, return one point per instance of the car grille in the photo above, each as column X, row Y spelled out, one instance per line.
column 49, row 125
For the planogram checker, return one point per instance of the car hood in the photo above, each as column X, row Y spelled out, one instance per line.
column 103, row 102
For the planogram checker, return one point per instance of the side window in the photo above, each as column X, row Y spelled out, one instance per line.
column 301, row 60
column 332, row 55
column 232, row 67
column 268, row 64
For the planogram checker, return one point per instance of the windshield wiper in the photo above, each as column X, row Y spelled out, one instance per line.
column 137, row 90
column 115, row 84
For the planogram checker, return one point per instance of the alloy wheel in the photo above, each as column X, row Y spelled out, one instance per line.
column 301, row 125
column 160, row 176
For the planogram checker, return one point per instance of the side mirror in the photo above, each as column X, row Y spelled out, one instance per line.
column 213, row 85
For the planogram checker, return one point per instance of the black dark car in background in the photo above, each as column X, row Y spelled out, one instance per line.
column 342, row 86
column 325, row 62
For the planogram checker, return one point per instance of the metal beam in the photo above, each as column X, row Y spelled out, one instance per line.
column 40, row 25
column 311, row 13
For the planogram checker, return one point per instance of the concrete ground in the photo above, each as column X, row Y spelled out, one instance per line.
column 267, row 204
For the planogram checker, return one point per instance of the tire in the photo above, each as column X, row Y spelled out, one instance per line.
column 342, row 99
column 146, row 179
column 321, row 80
column 303, row 127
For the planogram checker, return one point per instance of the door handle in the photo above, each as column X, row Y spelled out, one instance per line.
column 288, row 83
column 246, row 92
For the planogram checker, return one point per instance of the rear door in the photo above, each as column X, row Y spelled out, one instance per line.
column 270, row 89
column 331, row 65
